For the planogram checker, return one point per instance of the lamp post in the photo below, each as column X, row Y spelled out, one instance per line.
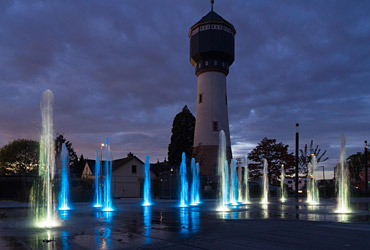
column 366, row 177
column 296, row 160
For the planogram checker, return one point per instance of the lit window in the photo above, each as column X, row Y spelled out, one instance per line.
column 133, row 169
column 215, row 126
column 200, row 100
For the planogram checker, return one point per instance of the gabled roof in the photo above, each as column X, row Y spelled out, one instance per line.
column 115, row 163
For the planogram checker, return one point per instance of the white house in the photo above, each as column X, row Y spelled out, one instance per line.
column 127, row 176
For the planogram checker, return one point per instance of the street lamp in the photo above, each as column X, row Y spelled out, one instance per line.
column 296, row 160
column 366, row 164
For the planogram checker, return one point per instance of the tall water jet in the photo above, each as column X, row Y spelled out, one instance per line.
column 342, row 181
column 42, row 196
column 64, row 185
column 184, row 196
column 265, row 193
column 108, row 206
column 312, row 189
column 240, row 185
column 283, row 194
column 246, row 185
column 147, row 183
column 233, row 184
column 223, row 173
column 194, row 184
column 97, row 182
column 197, row 196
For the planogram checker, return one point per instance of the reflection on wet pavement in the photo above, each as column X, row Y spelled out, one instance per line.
column 161, row 225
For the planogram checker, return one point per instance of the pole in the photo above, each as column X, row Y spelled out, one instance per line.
column 366, row 177
column 296, row 160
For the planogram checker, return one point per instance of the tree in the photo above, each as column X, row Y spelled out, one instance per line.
column 182, row 136
column 306, row 156
column 276, row 154
column 19, row 157
column 356, row 165
column 72, row 156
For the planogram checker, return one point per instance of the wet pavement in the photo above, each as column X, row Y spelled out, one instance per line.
column 165, row 225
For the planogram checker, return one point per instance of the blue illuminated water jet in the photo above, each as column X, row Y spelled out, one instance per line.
column 147, row 194
column 197, row 196
column 233, row 184
column 184, row 197
column 97, row 182
column 64, row 185
column 108, row 206
column 194, row 184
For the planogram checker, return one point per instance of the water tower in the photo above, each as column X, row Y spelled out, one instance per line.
column 212, row 46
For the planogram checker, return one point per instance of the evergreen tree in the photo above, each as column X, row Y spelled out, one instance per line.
column 276, row 154
column 182, row 136
column 72, row 156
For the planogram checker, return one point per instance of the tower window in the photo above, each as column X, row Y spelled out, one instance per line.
column 200, row 100
column 226, row 99
column 215, row 126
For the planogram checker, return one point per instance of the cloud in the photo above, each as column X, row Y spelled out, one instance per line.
column 120, row 69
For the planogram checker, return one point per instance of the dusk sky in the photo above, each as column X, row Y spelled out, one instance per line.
column 120, row 69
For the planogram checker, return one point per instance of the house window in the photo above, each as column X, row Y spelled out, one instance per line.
column 215, row 126
column 226, row 99
column 206, row 63
column 200, row 98
column 133, row 169
column 215, row 62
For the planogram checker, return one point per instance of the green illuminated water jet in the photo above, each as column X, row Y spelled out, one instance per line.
column 283, row 194
column 342, row 181
column 42, row 197
column 312, row 189
column 265, row 192
column 246, row 185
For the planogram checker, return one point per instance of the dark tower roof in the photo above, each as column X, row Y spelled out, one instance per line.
column 212, row 44
column 213, row 17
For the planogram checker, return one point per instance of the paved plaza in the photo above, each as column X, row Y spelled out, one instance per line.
column 164, row 225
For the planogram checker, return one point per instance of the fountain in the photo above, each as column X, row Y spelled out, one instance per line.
column 108, row 206
column 184, row 183
column 197, row 197
column 240, row 185
column 312, row 189
column 42, row 197
column 194, row 184
column 223, row 173
column 233, row 184
column 342, row 181
column 265, row 194
column 97, row 182
column 147, row 185
column 246, row 185
column 64, row 186
column 283, row 194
